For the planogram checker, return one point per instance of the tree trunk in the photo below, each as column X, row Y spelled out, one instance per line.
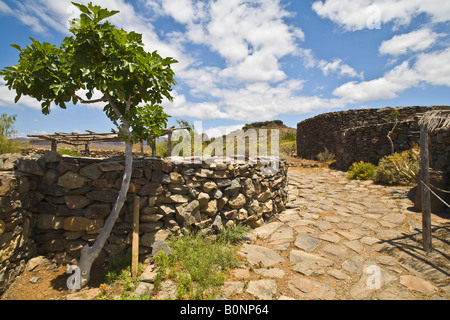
column 90, row 253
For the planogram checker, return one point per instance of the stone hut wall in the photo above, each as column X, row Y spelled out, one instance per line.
column 64, row 201
column 16, row 245
column 359, row 135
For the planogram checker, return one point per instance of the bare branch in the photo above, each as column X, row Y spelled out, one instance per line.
column 104, row 99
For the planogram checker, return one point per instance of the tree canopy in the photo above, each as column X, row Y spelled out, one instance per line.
column 97, row 57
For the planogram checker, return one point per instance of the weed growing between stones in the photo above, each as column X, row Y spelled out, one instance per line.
column 119, row 280
column 198, row 263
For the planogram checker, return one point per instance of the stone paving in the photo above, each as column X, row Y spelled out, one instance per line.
column 342, row 239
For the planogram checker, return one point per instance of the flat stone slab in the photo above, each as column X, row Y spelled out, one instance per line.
column 257, row 254
column 306, row 242
column 232, row 287
column 282, row 233
column 308, row 269
column 301, row 256
column 309, row 289
column 262, row 289
column 335, row 251
column 417, row 284
column 266, row 230
column 271, row 273
column 328, row 236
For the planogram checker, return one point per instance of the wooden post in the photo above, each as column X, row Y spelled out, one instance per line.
column 54, row 145
column 142, row 148
column 154, row 148
column 86, row 149
column 169, row 143
column 425, row 178
column 135, row 241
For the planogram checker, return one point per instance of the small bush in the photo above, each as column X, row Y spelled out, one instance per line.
column 362, row 171
column 233, row 234
column 289, row 136
column 69, row 152
column 326, row 156
column 399, row 168
column 287, row 148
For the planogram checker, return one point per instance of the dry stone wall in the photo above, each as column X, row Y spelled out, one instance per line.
column 16, row 245
column 359, row 135
column 64, row 201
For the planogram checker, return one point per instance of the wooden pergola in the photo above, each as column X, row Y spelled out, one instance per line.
column 80, row 139
column 429, row 122
column 77, row 139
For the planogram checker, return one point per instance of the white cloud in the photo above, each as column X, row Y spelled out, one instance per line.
column 336, row 66
column 387, row 87
column 4, row 8
column 415, row 41
column 7, row 98
column 434, row 67
column 429, row 68
column 222, row 130
column 361, row 14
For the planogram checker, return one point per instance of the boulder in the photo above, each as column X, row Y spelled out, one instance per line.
column 76, row 202
column 30, row 166
column 237, row 202
column 81, row 224
column 188, row 214
column 71, row 180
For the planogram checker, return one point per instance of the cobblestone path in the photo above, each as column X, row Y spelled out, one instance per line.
column 343, row 239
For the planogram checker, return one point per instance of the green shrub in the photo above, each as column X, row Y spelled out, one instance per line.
column 399, row 168
column 69, row 152
column 289, row 136
column 362, row 171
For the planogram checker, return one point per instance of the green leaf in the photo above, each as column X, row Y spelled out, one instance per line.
column 82, row 8
column 16, row 46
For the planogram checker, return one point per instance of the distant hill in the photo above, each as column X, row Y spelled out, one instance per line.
column 274, row 124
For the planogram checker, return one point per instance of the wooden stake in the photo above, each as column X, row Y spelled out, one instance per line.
column 425, row 178
column 135, row 241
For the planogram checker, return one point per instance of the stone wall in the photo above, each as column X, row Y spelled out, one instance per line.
column 16, row 246
column 65, row 200
column 358, row 135
column 439, row 148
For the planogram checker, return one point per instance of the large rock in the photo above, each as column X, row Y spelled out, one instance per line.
column 111, row 166
column 82, row 224
column 71, row 180
column 91, row 171
column 76, row 202
column 49, row 222
column 188, row 214
column 152, row 189
column 98, row 211
column 30, row 166
column 237, row 202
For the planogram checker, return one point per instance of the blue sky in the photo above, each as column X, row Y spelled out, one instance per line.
column 242, row 61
